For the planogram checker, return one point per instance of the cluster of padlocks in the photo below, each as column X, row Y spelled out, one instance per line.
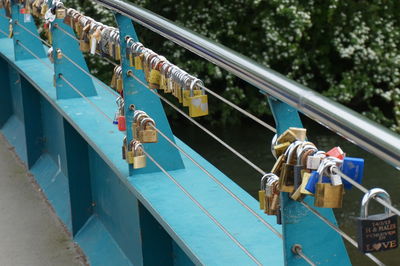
column 97, row 38
column 143, row 131
column 301, row 169
column 160, row 74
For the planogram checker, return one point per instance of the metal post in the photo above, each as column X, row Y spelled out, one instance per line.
column 135, row 94
column 299, row 226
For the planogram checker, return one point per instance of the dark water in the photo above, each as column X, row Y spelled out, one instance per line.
column 253, row 141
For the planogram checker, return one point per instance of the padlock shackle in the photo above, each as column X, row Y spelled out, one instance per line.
column 292, row 149
column 264, row 179
column 375, row 192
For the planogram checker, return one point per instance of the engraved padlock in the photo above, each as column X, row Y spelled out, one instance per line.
column 272, row 194
column 376, row 232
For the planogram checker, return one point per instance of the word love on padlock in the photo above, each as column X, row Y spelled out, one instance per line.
column 376, row 232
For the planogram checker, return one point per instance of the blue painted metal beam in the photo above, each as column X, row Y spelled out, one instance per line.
column 140, row 96
column 299, row 225
column 65, row 67
column 170, row 207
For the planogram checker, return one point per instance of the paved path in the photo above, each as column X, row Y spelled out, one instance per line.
column 30, row 233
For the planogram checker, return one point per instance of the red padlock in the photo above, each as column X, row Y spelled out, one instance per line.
column 336, row 152
column 121, row 123
column 22, row 11
column 46, row 26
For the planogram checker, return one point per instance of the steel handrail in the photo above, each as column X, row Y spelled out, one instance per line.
column 356, row 128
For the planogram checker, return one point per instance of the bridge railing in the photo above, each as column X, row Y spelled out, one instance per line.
column 285, row 97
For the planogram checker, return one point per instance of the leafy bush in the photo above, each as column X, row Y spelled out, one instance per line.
column 347, row 50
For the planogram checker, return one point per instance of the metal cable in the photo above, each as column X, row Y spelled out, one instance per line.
column 298, row 250
column 340, row 232
column 73, row 62
column 90, row 75
column 33, row 34
column 255, row 167
column 83, row 96
column 66, row 32
column 4, row 33
column 256, row 119
column 165, row 172
column 220, row 184
column 203, row 209
column 365, row 190
column 33, row 54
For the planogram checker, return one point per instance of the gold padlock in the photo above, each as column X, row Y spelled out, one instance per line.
column 186, row 92
column 61, row 13
column 300, row 133
column 287, row 136
column 261, row 192
column 326, row 194
column 198, row 104
column 272, row 195
column 130, row 153
column 277, row 168
column 286, row 178
column 147, row 132
column 281, row 148
column 138, row 115
column 139, row 158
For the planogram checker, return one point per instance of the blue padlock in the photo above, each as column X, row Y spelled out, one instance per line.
column 353, row 168
column 310, row 187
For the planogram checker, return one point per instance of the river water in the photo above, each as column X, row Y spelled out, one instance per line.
column 253, row 141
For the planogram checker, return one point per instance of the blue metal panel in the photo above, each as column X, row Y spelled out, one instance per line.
column 156, row 243
column 63, row 66
column 5, row 92
column 4, row 24
column 32, row 121
column 20, row 34
column 135, row 93
column 78, row 177
column 54, row 185
column 99, row 246
column 117, row 208
column 299, row 224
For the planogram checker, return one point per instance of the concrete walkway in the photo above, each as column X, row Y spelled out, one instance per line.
column 30, row 233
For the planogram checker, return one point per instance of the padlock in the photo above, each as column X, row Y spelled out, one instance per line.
column 336, row 152
column 61, row 13
column 186, row 91
column 139, row 158
column 353, row 168
column 198, row 104
column 287, row 136
column 297, row 195
column 121, row 123
column 155, row 75
column 315, row 176
column 286, row 178
column 300, row 133
column 281, row 148
column 147, row 131
column 135, row 122
column 261, row 192
column 328, row 195
column 130, row 153
column 277, row 168
column 376, row 232
column 124, row 148
column 303, row 149
column 271, row 194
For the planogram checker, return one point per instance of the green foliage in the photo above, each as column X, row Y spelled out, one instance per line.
column 347, row 50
